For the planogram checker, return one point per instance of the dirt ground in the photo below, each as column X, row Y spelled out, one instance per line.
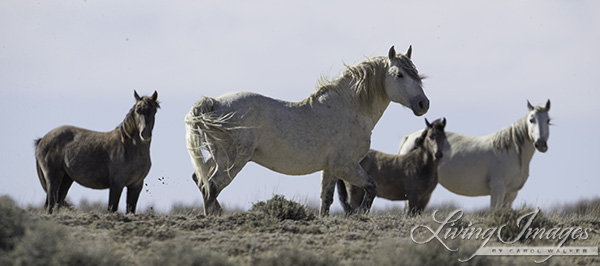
column 281, row 232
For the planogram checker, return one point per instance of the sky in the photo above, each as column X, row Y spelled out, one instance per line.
column 78, row 63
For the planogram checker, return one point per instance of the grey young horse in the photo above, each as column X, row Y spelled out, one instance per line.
column 99, row 160
column 298, row 138
column 411, row 177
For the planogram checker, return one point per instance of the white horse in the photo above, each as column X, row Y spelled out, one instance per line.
column 330, row 130
column 497, row 164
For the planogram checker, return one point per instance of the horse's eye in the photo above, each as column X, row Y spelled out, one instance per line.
column 531, row 120
column 400, row 75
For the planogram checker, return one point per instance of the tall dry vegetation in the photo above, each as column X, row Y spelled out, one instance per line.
column 275, row 232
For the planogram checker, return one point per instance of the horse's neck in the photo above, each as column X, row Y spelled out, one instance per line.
column 516, row 137
column 525, row 147
column 527, row 151
column 420, row 158
column 127, row 131
column 370, row 111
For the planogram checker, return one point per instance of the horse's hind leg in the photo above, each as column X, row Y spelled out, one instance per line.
column 327, row 190
column 53, row 183
column 212, row 187
column 62, row 191
column 356, row 175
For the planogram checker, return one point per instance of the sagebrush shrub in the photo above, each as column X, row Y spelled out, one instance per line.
column 282, row 209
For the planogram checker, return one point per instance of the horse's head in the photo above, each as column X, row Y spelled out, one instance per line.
column 433, row 137
column 403, row 83
column 538, row 125
column 144, row 111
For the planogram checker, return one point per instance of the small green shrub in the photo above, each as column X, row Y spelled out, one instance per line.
column 12, row 223
column 47, row 243
column 282, row 209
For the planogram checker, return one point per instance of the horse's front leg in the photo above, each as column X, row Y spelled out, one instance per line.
column 497, row 193
column 114, row 195
column 133, row 194
column 354, row 174
column 509, row 198
column 327, row 190
column 413, row 200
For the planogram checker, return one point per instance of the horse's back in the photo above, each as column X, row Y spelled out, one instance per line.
column 58, row 138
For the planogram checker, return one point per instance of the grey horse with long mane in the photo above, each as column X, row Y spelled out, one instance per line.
column 329, row 131
column 412, row 176
column 99, row 160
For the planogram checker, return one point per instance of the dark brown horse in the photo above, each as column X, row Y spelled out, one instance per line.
column 99, row 160
column 409, row 177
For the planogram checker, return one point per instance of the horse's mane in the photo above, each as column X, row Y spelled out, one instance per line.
column 366, row 79
column 128, row 128
column 513, row 136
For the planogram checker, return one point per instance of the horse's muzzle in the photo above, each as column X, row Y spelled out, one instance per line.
column 420, row 107
column 145, row 137
column 541, row 145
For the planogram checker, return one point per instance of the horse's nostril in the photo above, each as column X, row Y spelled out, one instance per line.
column 421, row 105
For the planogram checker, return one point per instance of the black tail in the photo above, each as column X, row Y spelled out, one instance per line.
column 343, row 196
column 40, row 173
column 36, row 142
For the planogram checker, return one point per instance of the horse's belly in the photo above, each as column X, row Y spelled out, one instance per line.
column 90, row 179
column 466, row 180
column 288, row 164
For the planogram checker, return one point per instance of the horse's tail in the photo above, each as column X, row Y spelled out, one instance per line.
column 40, row 173
column 208, row 139
column 343, row 196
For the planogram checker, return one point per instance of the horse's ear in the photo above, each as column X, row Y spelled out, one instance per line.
column 137, row 97
column 392, row 53
column 409, row 52
column 427, row 123
column 529, row 106
column 547, row 105
column 155, row 96
column 443, row 122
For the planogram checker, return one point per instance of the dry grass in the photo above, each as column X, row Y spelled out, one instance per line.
column 276, row 232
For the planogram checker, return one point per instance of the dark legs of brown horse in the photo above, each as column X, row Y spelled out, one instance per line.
column 57, row 186
column 133, row 194
column 417, row 203
column 354, row 174
column 62, row 191
column 114, row 195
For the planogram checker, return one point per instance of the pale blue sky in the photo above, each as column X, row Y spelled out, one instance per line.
column 78, row 63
